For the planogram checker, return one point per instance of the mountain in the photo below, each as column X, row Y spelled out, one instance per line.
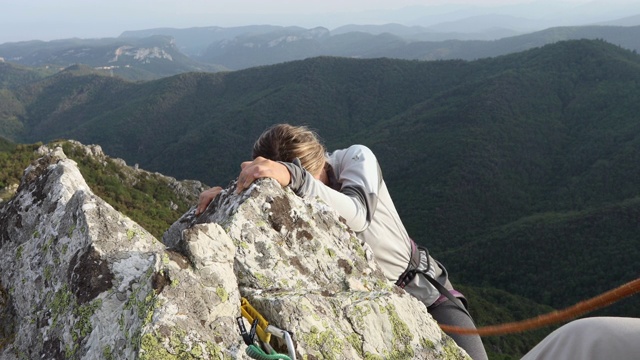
column 193, row 41
column 626, row 21
column 249, row 50
column 498, row 160
column 12, row 75
column 421, row 33
column 294, row 44
column 483, row 23
column 155, row 53
column 395, row 29
column 398, row 42
column 134, row 59
column 626, row 37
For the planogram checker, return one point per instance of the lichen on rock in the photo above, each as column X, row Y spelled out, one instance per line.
column 306, row 272
column 82, row 281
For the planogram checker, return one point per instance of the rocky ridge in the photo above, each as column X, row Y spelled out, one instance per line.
column 79, row 280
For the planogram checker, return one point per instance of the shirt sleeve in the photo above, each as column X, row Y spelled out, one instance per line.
column 358, row 180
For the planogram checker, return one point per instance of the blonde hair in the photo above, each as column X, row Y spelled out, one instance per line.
column 284, row 142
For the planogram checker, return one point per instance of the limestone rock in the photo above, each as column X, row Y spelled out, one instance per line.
column 79, row 280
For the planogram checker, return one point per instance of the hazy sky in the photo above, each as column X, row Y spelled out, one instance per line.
column 22, row 20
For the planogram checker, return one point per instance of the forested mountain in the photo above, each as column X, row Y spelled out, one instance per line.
column 518, row 172
column 12, row 75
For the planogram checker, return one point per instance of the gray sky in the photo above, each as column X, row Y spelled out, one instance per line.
column 22, row 20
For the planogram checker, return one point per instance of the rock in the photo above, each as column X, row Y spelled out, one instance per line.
column 80, row 280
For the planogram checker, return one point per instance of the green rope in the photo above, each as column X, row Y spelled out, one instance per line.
column 255, row 352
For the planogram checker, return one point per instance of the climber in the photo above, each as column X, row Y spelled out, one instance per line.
column 350, row 181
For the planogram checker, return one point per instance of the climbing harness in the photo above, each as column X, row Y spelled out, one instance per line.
column 569, row 313
column 597, row 302
column 264, row 330
column 413, row 269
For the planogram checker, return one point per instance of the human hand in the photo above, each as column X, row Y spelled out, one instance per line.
column 260, row 168
column 206, row 197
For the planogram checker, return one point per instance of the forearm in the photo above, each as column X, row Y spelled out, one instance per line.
column 348, row 203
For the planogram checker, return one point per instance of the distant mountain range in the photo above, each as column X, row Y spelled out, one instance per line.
column 132, row 58
column 268, row 45
column 155, row 53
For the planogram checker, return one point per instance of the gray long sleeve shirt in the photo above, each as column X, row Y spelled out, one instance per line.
column 358, row 193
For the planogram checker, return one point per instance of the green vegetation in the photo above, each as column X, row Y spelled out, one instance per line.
column 13, row 160
column 555, row 251
column 12, row 75
column 6, row 145
column 147, row 198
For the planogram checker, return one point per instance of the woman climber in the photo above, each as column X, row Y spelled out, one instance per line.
column 350, row 181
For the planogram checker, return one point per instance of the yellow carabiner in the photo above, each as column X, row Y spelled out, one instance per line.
column 251, row 314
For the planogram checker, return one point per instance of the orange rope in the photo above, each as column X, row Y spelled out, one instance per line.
column 553, row 317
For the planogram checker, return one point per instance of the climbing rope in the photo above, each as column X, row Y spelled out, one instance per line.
column 569, row 313
column 255, row 352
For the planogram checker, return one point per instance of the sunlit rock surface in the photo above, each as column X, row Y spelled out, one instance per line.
column 79, row 280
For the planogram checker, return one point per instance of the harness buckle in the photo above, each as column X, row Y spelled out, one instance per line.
column 412, row 266
column 406, row 278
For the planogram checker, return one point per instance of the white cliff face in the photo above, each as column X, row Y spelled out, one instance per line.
column 144, row 55
column 79, row 280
